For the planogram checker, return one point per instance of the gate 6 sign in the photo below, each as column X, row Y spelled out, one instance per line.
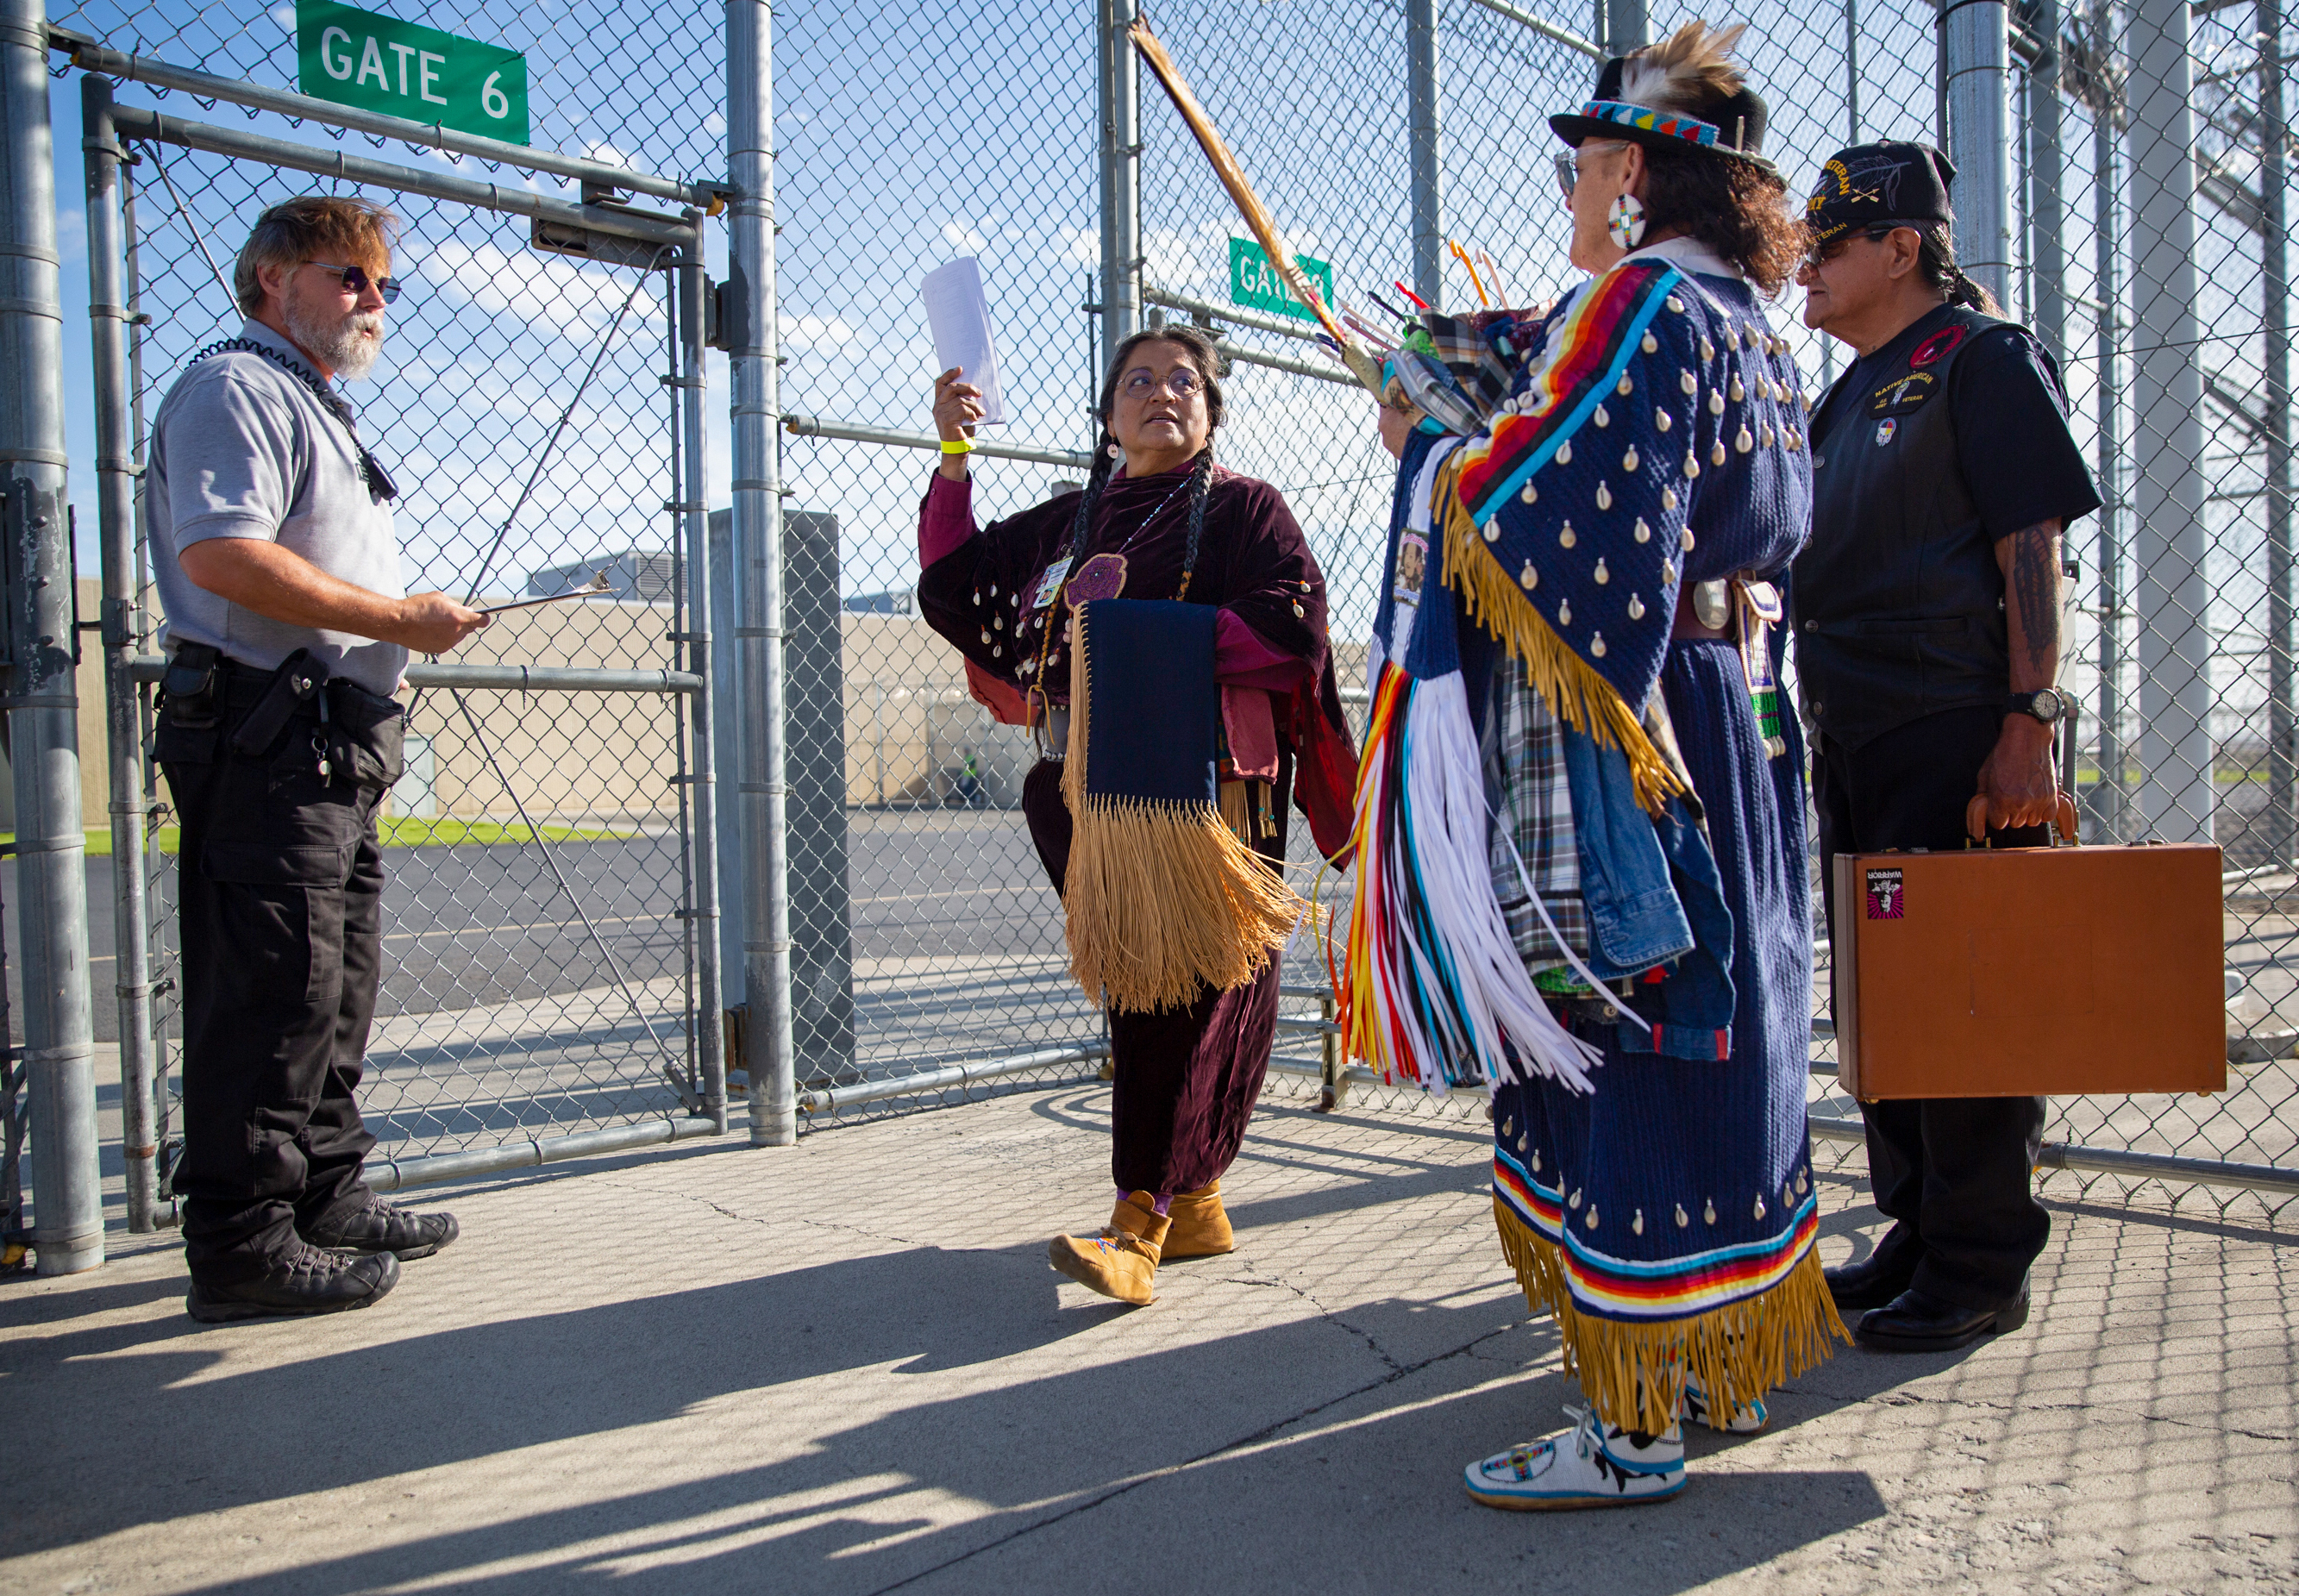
column 380, row 63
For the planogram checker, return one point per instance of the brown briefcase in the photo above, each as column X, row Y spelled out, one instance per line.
column 2030, row 971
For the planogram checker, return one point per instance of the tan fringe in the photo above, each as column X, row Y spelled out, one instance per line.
column 1633, row 1374
column 1585, row 700
column 1161, row 898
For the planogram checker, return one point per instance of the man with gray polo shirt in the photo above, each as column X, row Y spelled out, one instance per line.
column 287, row 627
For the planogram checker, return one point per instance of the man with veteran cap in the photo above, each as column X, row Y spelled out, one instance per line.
column 1926, row 613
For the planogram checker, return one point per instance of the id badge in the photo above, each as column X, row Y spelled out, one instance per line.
column 1050, row 583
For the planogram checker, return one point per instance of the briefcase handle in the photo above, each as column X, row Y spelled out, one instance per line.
column 1975, row 821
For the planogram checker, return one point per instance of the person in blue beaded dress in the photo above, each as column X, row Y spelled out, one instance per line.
column 1611, row 494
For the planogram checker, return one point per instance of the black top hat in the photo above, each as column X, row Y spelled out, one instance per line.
column 1671, row 106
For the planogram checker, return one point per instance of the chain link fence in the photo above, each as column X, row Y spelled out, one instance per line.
column 544, row 946
column 539, row 405
column 2192, row 618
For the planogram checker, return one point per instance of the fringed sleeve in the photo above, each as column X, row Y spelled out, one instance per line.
column 1566, row 522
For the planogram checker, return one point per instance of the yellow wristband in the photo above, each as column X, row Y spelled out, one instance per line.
column 958, row 446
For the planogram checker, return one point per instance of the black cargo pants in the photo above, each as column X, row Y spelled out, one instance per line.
column 280, row 890
column 1956, row 1173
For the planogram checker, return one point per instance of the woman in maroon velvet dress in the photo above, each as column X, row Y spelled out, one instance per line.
column 1168, row 523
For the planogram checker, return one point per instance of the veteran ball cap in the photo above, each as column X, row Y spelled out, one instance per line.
column 1888, row 182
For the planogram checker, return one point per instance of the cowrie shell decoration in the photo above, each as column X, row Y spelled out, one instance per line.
column 1564, row 453
column 1651, row 343
column 1709, row 1213
column 1689, row 382
column 1591, row 1220
column 1626, row 387
column 1644, row 532
column 1574, row 1200
column 1602, row 417
column 1596, row 647
column 1528, row 578
column 1686, row 541
column 1744, row 441
column 1565, row 537
column 1530, row 494
column 1760, row 1207
column 1716, row 454
column 1740, row 392
column 1564, row 612
column 1604, row 496
column 1603, row 576
column 1716, row 402
column 1668, row 498
column 1638, row 1223
column 1629, row 460
column 1707, row 350
column 1682, row 1217
column 1636, row 608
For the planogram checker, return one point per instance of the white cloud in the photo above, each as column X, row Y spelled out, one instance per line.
column 813, row 332
column 566, row 296
column 959, row 235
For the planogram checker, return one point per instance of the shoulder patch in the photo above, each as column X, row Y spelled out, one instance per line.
column 1939, row 344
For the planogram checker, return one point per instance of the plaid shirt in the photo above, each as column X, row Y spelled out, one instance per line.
column 1523, row 744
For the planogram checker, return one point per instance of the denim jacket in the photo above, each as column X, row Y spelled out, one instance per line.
column 1655, row 903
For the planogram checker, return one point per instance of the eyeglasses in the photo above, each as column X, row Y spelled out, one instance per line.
column 1181, row 382
column 1568, row 162
column 1820, row 254
column 356, row 280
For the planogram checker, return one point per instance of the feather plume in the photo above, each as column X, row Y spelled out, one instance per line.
column 1362, row 363
column 1690, row 67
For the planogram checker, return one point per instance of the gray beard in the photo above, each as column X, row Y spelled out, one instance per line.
column 337, row 344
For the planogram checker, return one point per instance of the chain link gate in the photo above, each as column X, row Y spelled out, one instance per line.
column 2191, row 619
column 551, row 947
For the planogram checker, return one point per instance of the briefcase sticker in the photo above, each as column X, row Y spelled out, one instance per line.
column 1886, row 894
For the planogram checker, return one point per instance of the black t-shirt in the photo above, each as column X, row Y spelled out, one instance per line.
column 2011, row 420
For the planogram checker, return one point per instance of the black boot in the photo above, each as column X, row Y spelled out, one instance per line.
column 1879, row 1277
column 307, row 1280
column 1916, row 1321
column 380, row 1227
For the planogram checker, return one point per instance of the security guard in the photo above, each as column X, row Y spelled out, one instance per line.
column 289, row 627
column 1926, row 611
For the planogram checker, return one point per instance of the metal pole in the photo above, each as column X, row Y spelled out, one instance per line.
column 1121, row 176
column 42, row 651
column 1626, row 27
column 2107, row 254
column 702, row 619
column 727, row 742
column 1978, row 70
column 115, row 489
column 1421, row 120
column 1851, row 79
column 2275, row 295
column 2174, row 594
column 2047, row 258
column 759, row 547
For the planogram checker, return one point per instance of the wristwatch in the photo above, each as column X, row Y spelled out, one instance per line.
column 2047, row 704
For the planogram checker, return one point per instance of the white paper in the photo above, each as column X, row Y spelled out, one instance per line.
column 959, row 313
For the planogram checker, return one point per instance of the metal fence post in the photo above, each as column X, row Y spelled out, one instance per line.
column 2274, row 297
column 1977, row 64
column 1627, row 27
column 2107, row 256
column 759, row 546
column 41, row 652
column 1120, row 81
column 2173, row 590
column 1427, row 172
column 727, row 732
column 115, row 480
column 688, row 280
column 2047, row 253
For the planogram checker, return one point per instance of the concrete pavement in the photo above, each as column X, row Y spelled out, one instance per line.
column 845, row 1367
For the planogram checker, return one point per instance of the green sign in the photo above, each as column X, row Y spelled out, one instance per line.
column 1254, row 282
column 380, row 63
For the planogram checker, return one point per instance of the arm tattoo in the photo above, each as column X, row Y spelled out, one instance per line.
column 2036, row 588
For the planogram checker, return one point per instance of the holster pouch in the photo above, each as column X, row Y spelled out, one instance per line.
column 367, row 738
column 299, row 678
column 190, row 684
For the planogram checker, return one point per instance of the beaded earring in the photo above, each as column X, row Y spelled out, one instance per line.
column 1625, row 223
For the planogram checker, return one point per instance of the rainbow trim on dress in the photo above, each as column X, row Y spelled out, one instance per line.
column 1677, row 1288
column 1588, row 351
column 1668, row 124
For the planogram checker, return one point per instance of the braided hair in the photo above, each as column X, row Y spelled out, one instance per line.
column 1936, row 263
column 1207, row 359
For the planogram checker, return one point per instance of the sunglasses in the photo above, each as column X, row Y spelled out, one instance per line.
column 356, row 280
column 1820, row 254
column 1568, row 162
